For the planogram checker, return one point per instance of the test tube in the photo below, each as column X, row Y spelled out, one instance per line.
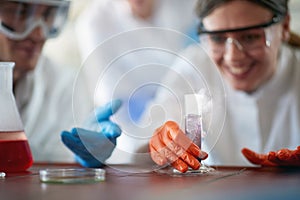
column 193, row 117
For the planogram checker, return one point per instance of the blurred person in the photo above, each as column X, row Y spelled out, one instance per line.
column 123, row 20
column 126, row 47
column 103, row 19
column 258, row 57
column 43, row 89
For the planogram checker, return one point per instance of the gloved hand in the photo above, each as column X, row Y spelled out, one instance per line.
column 283, row 157
column 93, row 145
column 170, row 145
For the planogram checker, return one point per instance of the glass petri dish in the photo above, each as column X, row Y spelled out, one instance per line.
column 85, row 175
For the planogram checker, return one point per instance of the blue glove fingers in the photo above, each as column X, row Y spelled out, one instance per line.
column 82, row 156
column 91, row 148
column 104, row 112
column 92, row 162
column 73, row 142
column 110, row 130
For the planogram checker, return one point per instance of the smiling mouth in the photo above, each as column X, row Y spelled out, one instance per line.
column 238, row 71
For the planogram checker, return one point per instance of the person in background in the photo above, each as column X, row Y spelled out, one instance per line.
column 126, row 47
column 43, row 89
column 103, row 19
column 258, row 57
column 129, row 23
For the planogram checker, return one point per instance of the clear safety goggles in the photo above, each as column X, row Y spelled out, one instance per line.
column 248, row 39
column 18, row 18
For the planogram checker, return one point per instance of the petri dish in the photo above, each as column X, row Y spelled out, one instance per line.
column 85, row 175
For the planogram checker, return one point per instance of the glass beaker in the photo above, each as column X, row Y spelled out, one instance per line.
column 15, row 153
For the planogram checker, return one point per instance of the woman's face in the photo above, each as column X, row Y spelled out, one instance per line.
column 243, row 68
column 26, row 52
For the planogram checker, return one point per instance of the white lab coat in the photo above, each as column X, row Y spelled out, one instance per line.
column 125, row 57
column 46, row 105
column 264, row 121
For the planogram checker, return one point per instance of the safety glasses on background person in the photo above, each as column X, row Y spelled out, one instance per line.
column 248, row 39
column 18, row 18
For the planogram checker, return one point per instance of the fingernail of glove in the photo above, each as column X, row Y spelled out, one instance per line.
column 203, row 155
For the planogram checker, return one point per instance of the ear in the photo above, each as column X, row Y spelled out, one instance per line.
column 286, row 28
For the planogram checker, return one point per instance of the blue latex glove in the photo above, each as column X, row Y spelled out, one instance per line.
column 93, row 144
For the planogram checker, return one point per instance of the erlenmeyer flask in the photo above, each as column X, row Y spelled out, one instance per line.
column 15, row 154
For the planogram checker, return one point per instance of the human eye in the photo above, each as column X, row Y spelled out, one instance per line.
column 23, row 12
column 50, row 13
column 217, row 38
column 250, row 38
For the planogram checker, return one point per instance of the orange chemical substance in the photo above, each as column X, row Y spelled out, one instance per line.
column 15, row 154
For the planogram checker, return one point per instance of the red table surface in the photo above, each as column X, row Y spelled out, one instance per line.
column 224, row 183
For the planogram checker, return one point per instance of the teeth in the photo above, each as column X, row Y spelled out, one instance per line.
column 238, row 70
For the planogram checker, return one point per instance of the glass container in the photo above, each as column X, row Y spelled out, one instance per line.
column 69, row 176
column 15, row 153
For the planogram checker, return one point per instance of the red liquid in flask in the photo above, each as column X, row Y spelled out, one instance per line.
column 15, row 154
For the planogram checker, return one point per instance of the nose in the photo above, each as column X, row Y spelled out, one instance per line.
column 232, row 41
column 37, row 34
column 233, row 50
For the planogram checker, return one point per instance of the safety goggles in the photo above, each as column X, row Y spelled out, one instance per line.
column 248, row 39
column 18, row 18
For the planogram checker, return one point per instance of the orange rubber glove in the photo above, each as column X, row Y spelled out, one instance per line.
column 169, row 144
column 283, row 157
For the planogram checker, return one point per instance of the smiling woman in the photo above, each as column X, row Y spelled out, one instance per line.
column 260, row 68
column 240, row 59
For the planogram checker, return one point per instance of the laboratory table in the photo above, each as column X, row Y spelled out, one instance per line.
column 225, row 183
